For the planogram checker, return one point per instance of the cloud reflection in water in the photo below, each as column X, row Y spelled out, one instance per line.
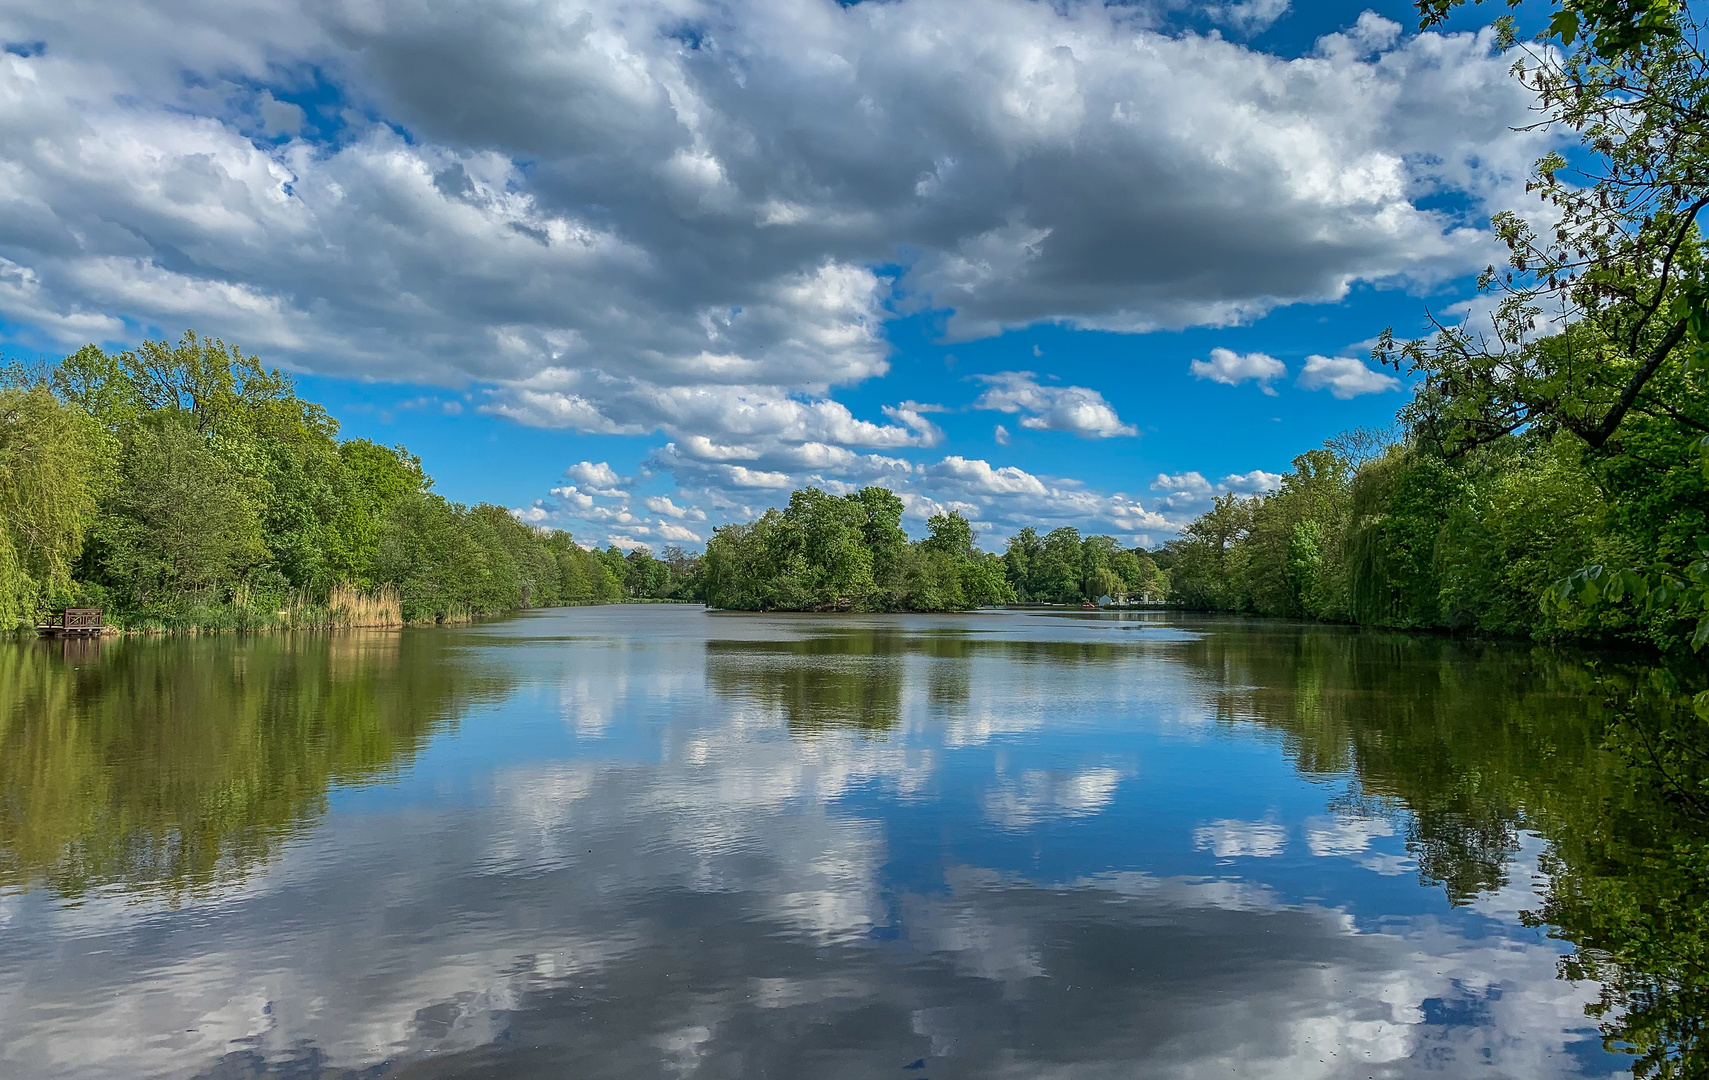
column 785, row 849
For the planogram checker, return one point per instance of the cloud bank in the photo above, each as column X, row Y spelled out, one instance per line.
column 696, row 219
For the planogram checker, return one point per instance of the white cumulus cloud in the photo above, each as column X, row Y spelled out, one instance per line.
column 1190, row 492
column 1231, row 368
column 580, row 191
column 979, row 475
column 671, row 531
column 569, row 493
column 1344, row 377
column 661, row 504
column 1250, row 16
column 1052, row 408
column 1251, row 483
column 594, row 474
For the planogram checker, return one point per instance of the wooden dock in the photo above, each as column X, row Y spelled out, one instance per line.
column 73, row 622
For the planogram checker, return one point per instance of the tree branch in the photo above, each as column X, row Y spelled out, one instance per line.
column 1600, row 434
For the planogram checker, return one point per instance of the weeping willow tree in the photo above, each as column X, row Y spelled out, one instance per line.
column 52, row 463
column 1398, row 507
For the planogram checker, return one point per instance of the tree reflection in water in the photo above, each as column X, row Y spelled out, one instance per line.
column 164, row 767
column 172, row 765
column 1465, row 744
column 850, row 680
column 855, row 677
column 1480, row 741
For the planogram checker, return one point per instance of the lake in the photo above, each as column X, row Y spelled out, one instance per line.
column 655, row 841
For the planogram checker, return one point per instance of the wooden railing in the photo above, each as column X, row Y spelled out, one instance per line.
column 77, row 620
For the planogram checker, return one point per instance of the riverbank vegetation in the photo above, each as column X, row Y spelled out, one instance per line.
column 188, row 487
column 1547, row 477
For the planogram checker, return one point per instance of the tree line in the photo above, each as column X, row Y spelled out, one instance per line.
column 1405, row 536
column 824, row 552
column 187, row 486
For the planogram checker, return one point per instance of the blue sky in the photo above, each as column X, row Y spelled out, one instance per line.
column 638, row 267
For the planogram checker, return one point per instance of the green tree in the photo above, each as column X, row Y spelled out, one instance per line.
column 736, row 573
column 950, row 574
column 179, row 520
column 827, row 565
column 1140, row 576
column 1295, row 538
column 53, row 466
column 1020, row 559
column 1619, row 274
column 1205, row 571
column 220, row 390
column 375, row 479
column 824, row 553
column 950, row 533
column 883, row 536
column 645, row 576
column 1057, row 576
column 983, row 582
column 1098, row 576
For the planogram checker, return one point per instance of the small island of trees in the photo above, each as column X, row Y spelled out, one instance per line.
column 828, row 553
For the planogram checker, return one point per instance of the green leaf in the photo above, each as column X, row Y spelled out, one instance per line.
column 1702, row 634
column 1588, row 592
column 1637, row 585
column 1564, row 25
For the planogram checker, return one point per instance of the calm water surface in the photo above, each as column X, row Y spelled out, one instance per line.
column 650, row 841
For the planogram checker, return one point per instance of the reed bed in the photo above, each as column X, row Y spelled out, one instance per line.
column 344, row 607
column 348, row 606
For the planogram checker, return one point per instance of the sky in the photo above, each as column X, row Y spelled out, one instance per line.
column 636, row 268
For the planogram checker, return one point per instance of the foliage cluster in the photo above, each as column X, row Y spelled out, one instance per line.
column 187, row 486
column 827, row 553
column 1062, row 567
column 1411, row 539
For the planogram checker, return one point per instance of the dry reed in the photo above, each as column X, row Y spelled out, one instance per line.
column 353, row 607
